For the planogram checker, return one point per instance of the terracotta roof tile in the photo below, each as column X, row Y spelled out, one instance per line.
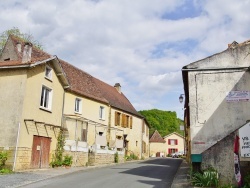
column 156, row 137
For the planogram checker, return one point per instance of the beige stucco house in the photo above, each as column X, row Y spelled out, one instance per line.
column 174, row 143
column 42, row 95
column 32, row 84
column 217, row 95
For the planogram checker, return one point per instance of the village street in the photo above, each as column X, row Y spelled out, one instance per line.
column 157, row 173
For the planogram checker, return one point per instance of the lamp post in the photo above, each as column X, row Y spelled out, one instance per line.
column 184, row 141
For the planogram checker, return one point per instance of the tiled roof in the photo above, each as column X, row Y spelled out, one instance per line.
column 80, row 82
column 156, row 137
column 86, row 85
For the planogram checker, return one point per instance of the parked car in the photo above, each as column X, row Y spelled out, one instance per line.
column 177, row 154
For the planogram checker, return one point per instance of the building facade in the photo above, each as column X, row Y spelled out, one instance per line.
column 216, row 107
column 43, row 95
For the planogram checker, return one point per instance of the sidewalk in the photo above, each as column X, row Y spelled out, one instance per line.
column 181, row 177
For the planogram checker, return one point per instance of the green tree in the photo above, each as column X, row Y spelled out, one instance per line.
column 165, row 122
column 24, row 36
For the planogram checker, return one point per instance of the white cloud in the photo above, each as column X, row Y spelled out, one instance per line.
column 131, row 42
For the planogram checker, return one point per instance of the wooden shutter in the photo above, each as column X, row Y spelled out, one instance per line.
column 169, row 141
column 143, row 128
column 123, row 120
column 116, row 118
column 131, row 122
column 176, row 142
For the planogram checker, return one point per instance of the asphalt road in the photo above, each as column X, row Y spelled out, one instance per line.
column 156, row 173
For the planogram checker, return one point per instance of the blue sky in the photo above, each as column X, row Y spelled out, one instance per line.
column 141, row 44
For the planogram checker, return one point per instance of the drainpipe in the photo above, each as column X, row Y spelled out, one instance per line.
column 142, row 136
column 17, row 140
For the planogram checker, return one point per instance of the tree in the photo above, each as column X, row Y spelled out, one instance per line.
column 24, row 36
column 165, row 122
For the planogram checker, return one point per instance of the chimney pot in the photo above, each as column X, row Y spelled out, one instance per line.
column 19, row 47
column 27, row 50
column 118, row 87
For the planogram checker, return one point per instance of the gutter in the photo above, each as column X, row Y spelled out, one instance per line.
column 216, row 69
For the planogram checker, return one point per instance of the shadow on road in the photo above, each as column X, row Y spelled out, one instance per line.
column 161, row 170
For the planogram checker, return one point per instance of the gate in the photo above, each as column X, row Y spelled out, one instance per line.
column 40, row 152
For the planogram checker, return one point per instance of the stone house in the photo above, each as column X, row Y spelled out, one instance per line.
column 157, row 145
column 217, row 91
column 49, row 95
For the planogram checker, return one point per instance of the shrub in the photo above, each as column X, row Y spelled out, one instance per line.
column 247, row 181
column 3, row 158
column 207, row 178
column 67, row 161
column 116, row 157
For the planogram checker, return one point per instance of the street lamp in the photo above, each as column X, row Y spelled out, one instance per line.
column 181, row 98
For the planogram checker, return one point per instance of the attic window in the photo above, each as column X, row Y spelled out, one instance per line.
column 48, row 72
column 7, row 59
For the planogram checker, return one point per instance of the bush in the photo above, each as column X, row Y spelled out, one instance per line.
column 207, row 178
column 67, row 161
column 3, row 158
column 116, row 157
column 5, row 171
column 247, row 181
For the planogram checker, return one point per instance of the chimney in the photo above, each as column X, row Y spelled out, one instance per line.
column 27, row 52
column 19, row 47
column 118, row 87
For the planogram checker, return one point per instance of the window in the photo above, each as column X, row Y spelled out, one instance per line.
column 102, row 113
column 172, row 142
column 48, row 72
column 46, row 98
column 78, row 105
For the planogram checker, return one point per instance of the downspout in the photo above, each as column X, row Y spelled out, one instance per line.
column 17, row 140
column 142, row 137
column 62, row 125
column 109, row 125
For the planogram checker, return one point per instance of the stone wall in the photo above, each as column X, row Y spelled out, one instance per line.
column 79, row 158
column 104, row 158
column 23, row 157
column 221, row 157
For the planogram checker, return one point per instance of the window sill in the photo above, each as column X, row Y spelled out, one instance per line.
column 101, row 119
column 45, row 109
column 49, row 79
column 80, row 113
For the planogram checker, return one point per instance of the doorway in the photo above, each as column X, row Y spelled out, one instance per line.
column 40, row 152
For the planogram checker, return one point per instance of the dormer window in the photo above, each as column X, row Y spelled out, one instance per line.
column 48, row 72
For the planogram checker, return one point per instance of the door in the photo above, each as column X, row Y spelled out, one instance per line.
column 40, row 152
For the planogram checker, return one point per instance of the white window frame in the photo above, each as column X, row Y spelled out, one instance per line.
column 49, row 71
column 78, row 105
column 102, row 113
column 46, row 98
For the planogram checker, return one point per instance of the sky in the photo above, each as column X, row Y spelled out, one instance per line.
column 141, row 44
